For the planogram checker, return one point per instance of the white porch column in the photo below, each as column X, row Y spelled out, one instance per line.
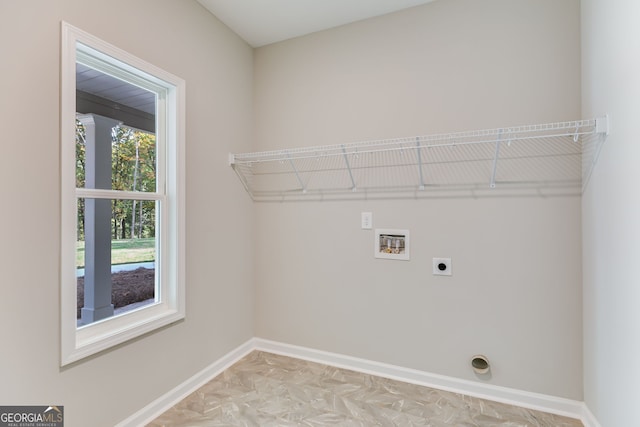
column 97, row 219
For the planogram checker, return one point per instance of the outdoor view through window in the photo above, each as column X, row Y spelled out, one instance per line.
column 116, row 232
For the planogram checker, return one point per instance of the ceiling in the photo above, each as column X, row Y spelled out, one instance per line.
column 258, row 22
column 262, row 22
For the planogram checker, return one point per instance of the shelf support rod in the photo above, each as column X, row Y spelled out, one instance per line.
column 295, row 170
column 420, row 162
column 346, row 160
column 602, row 125
column 495, row 160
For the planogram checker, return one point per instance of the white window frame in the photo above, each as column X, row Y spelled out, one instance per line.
column 169, row 306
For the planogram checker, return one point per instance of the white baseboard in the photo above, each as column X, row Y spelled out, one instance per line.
column 588, row 419
column 156, row 408
column 540, row 402
column 536, row 401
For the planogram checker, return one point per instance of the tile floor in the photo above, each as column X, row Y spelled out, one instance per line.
column 264, row 389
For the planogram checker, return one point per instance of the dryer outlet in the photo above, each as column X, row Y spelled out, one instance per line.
column 442, row 266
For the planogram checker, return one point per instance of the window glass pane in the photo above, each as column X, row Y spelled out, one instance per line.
column 81, row 153
column 133, row 160
column 115, row 257
column 114, row 158
column 126, row 98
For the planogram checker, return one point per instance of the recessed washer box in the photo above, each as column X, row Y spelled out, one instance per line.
column 442, row 266
column 391, row 244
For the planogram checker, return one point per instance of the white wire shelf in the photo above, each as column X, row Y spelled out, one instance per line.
column 553, row 155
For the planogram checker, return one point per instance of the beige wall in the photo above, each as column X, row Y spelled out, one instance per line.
column 448, row 66
column 515, row 294
column 611, row 211
column 186, row 40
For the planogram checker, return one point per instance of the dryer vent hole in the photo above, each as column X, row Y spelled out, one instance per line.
column 480, row 364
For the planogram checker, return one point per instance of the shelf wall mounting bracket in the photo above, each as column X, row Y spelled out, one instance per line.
column 295, row 170
column 242, row 177
column 602, row 125
column 420, row 163
column 495, row 160
column 346, row 161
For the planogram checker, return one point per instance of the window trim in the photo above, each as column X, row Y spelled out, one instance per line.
column 78, row 343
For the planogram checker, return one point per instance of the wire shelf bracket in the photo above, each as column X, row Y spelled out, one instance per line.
column 421, row 185
column 346, row 162
column 535, row 157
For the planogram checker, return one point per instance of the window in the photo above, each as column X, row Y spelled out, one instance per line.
column 122, row 196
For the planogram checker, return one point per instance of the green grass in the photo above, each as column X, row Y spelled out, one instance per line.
column 124, row 251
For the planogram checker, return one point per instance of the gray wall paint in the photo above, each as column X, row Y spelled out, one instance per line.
column 186, row 40
column 515, row 294
column 611, row 211
column 448, row 66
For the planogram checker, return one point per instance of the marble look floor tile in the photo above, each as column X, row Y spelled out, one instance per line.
column 267, row 390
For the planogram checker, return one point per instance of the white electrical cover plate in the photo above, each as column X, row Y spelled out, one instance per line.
column 442, row 266
column 367, row 220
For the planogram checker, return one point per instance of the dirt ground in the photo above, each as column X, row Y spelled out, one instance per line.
column 128, row 287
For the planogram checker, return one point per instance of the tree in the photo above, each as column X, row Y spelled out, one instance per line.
column 80, row 174
column 133, row 168
column 144, row 176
